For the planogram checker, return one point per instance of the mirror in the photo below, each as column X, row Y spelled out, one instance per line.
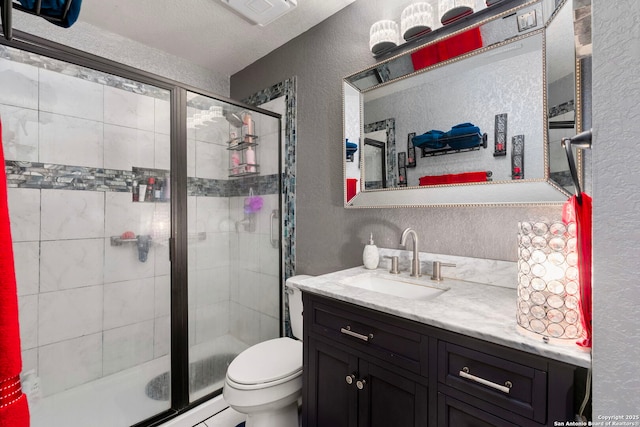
column 375, row 164
column 486, row 124
column 383, row 131
column 561, row 94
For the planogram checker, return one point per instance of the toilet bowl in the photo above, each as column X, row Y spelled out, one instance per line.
column 265, row 381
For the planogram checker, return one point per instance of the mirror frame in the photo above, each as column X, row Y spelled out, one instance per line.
column 539, row 192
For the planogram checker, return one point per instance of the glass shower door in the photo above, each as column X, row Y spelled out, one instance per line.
column 234, row 246
column 88, row 160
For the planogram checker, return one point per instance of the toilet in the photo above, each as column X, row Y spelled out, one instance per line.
column 265, row 381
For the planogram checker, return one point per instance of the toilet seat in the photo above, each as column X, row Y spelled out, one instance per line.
column 266, row 364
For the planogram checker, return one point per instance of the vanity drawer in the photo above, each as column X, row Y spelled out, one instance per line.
column 519, row 388
column 352, row 326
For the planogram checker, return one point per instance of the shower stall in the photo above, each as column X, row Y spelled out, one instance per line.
column 147, row 221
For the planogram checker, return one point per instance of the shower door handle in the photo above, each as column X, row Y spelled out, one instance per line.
column 274, row 240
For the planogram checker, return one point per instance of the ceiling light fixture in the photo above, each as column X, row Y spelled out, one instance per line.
column 261, row 12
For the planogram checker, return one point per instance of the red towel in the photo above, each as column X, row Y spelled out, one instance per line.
column 454, row 178
column 581, row 213
column 457, row 45
column 14, row 411
column 425, row 57
column 352, row 188
column 460, row 44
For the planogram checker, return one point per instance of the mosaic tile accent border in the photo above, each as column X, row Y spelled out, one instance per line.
column 65, row 177
column 286, row 88
column 83, row 73
column 261, row 185
column 45, row 176
column 203, row 187
column 565, row 107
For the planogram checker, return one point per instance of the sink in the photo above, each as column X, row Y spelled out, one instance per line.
column 404, row 287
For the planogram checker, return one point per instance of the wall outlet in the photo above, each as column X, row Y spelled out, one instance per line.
column 527, row 20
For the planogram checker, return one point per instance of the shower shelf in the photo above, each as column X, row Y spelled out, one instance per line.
column 241, row 163
column 118, row 241
column 243, row 166
column 237, row 144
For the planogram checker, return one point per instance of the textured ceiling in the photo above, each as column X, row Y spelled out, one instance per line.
column 205, row 32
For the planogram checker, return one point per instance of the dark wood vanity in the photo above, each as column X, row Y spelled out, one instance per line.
column 367, row 368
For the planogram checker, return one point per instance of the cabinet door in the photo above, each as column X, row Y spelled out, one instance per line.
column 390, row 399
column 454, row 413
column 331, row 401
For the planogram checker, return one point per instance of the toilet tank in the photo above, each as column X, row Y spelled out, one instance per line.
column 295, row 305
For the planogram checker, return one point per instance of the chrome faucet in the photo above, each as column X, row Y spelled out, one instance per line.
column 415, row 264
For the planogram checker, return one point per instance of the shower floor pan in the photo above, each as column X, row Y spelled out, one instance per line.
column 202, row 374
column 118, row 399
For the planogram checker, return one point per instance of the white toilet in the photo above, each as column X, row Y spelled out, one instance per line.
column 265, row 380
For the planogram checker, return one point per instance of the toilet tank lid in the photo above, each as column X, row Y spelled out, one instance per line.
column 267, row 361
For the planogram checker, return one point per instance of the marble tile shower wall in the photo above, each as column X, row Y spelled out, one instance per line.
column 255, row 286
column 87, row 309
column 233, row 289
column 208, row 211
column 233, row 274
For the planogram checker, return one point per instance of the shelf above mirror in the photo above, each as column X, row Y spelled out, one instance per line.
column 468, row 21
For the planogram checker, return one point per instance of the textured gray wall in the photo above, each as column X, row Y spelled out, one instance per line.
column 111, row 46
column 616, row 213
column 330, row 237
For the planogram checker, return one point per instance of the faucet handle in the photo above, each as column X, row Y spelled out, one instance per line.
column 394, row 264
column 437, row 270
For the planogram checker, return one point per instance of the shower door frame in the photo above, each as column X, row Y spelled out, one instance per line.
column 178, row 240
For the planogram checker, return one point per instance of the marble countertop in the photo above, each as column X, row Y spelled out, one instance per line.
column 477, row 310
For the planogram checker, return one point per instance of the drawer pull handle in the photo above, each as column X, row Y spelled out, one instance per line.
column 348, row 331
column 503, row 388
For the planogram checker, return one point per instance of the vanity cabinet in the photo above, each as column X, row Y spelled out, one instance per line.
column 367, row 368
column 500, row 386
column 456, row 413
column 360, row 371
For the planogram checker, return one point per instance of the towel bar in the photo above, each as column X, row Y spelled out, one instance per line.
column 119, row 241
column 581, row 141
